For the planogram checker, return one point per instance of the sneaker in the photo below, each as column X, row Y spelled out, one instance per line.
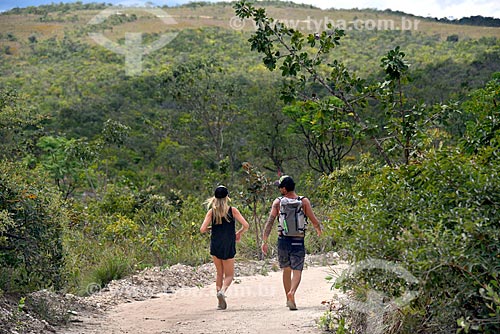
column 222, row 300
column 291, row 305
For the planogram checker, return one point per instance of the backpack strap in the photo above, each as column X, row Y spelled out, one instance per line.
column 299, row 197
column 279, row 199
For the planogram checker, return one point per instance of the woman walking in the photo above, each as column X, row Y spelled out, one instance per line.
column 221, row 221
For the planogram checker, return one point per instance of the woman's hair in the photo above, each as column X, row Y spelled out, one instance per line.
column 220, row 208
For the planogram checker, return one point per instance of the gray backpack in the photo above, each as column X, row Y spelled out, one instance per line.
column 292, row 221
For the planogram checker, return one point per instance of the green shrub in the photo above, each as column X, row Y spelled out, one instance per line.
column 112, row 268
column 437, row 219
column 31, row 224
column 483, row 131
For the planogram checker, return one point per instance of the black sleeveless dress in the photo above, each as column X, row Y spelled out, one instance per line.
column 223, row 238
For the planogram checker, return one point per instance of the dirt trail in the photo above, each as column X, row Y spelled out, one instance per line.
column 256, row 304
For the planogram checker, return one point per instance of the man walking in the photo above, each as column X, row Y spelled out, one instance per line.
column 291, row 249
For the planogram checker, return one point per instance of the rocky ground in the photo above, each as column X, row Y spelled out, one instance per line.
column 43, row 311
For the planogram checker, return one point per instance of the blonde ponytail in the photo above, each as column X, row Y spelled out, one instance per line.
column 220, row 208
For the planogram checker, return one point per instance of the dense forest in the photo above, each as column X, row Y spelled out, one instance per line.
column 392, row 132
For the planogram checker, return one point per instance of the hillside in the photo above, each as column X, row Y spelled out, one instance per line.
column 48, row 55
column 41, row 36
column 116, row 124
column 49, row 24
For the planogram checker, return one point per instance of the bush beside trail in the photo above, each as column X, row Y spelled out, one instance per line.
column 32, row 218
column 438, row 219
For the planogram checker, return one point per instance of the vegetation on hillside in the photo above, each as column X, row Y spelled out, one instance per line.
column 433, row 211
column 393, row 135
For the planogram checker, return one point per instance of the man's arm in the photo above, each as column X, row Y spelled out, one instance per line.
column 269, row 224
column 268, row 227
column 306, row 204
column 275, row 209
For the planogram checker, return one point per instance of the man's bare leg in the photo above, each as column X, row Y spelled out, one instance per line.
column 287, row 280
column 294, row 285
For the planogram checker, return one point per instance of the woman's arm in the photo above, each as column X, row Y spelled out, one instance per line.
column 244, row 224
column 206, row 222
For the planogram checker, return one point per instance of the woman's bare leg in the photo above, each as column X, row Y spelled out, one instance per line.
column 228, row 269
column 219, row 278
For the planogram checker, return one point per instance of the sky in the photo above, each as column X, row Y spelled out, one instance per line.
column 453, row 9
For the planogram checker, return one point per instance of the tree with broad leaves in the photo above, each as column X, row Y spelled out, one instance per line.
column 302, row 61
column 327, row 101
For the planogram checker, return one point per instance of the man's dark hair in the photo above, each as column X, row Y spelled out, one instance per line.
column 287, row 183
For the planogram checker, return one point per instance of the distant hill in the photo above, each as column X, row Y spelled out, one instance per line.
column 52, row 20
column 480, row 21
column 58, row 34
column 55, row 7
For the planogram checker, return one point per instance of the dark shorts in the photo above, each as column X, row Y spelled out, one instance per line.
column 291, row 252
column 223, row 250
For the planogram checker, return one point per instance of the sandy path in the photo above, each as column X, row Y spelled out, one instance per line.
column 255, row 305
